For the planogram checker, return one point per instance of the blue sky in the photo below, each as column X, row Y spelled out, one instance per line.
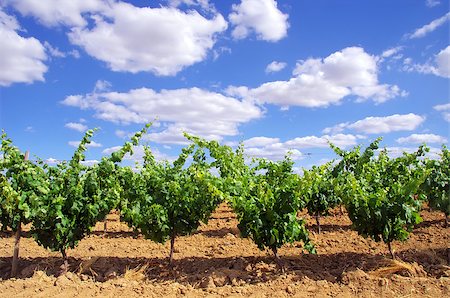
column 285, row 75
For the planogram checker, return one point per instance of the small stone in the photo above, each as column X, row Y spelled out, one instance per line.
column 290, row 290
column 382, row 282
column 72, row 276
column 111, row 273
column 61, row 281
column 208, row 283
column 41, row 275
column 220, row 279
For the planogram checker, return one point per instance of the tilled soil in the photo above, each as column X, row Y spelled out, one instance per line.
column 216, row 262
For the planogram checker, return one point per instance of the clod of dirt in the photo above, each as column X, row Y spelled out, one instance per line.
column 207, row 283
column 220, row 278
column 62, row 281
column 290, row 290
column 354, row 276
column 41, row 276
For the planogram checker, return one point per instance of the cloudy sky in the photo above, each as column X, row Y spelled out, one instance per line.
column 286, row 75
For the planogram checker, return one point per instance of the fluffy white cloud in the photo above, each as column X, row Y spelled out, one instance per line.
column 57, row 12
column 273, row 149
column 442, row 107
column 22, row 58
column 422, row 138
column 275, row 66
column 322, row 82
column 443, row 63
column 445, row 109
column 390, row 52
column 421, row 32
column 160, row 40
column 260, row 16
column 341, row 140
column 92, row 144
column 336, row 128
column 208, row 114
column 440, row 67
column 76, row 126
column 376, row 125
column 260, row 141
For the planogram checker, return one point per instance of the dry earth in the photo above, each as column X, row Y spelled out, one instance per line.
column 215, row 262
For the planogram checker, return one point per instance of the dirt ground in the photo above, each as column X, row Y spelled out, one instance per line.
column 216, row 262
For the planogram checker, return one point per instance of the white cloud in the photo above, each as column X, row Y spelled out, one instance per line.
column 395, row 152
column 102, row 85
column 376, row 125
column 442, row 107
column 208, row 114
column 336, row 128
column 275, row 66
column 92, row 144
column 121, row 133
column 260, row 16
column 445, row 109
column 443, row 63
column 76, row 126
column 22, row 58
column 440, row 67
column 341, row 140
column 51, row 160
column 174, row 39
column 422, row 138
column 89, row 162
column 391, row 52
column 54, row 51
column 423, row 31
column 260, row 141
column 57, row 12
column 322, row 82
column 273, row 149
column 432, row 3
column 29, row 129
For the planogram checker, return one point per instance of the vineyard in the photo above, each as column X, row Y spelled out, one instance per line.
column 214, row 222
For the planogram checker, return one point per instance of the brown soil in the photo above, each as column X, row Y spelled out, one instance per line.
column 215, row 262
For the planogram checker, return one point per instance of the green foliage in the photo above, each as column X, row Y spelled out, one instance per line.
column 265, row 197
column 22, row 184
column 437, row 185
column 318, row 190
column 78, row 197
column 164, row 200
column 381, row 200
column 267, row 210
column 353, row 161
